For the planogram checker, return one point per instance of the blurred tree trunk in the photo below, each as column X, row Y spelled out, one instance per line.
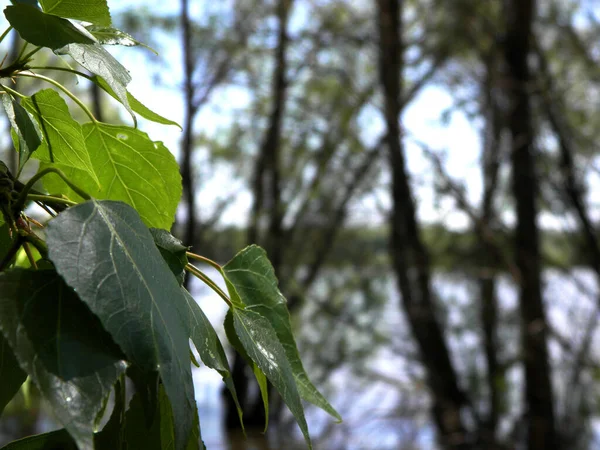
column 487, row 281
column 572, row 425
column 534, row 327
column 410, row 258
column 266, row 194
column 189, row 234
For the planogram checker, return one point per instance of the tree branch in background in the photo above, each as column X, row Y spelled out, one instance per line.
column 216, row 64
column 539, row 399
column 410, row 259
column 189, row 113
column 266, row 185
column 551, row 101
column 487, row 281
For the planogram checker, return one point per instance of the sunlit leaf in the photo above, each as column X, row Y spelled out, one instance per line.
column 93, row 11
column 260, row 377
column 61, row 345
column 42, row 29
column 97, row 60
column 131, row 290
column 63, row 143
column 262, row 346
column 135, row 104
column 254, row 280
column 114, row 36
column 25, row 126
column 131, row 168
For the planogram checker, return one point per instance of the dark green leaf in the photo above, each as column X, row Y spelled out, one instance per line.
column 5, row 239
column 262, row 346
column 254, row 280
column 110, row 438
column 64, row 143
column 131, row 289
column 131, row 168
column 113, row 36
column 93, row 11
column 260, row 377
column 11, row 375
column 209, row 347
column 97, row 60
column 172, row 250
column 158, row 433
column 135, row 104
column 25, row 126
column 55, row 440
column 61, row 345
column 25, row 2
column 42, row 29
column 146, row 386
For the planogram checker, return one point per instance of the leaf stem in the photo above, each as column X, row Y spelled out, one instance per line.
column 22, row 51
column 205, row 260
column 62, row 69
column 25, row 191
column 29, row 255
column 30, row 54
column 12, row 91
column 210, row 283
column 62, row 88
column 37, row 242
column 50, row 199
column 5, row 33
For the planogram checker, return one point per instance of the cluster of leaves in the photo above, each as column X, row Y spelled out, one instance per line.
column 96, row 295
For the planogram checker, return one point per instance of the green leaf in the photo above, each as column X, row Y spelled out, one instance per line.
column 252, row 276
column 172, row 250
column 209, row 347
column 262, row 346
column 5, row 239
column 131, row 168
column 93, row 11
column 260, row 377
column 131, row 290
column 59, row 439
column 42, row 29
column 64, row 143
column 113, row 36
column 33, row 3
column 97, row 60
column 25, row 126
column 110, row 438
column 135, row 104
column 61, row 345
column 146, row 387
column 11, row 375
column 158, row 433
